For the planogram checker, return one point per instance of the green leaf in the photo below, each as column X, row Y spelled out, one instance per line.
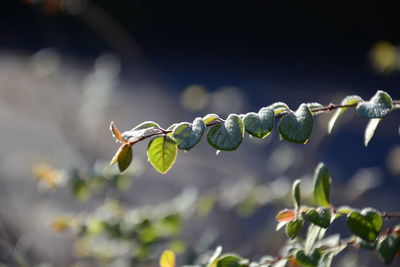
column 146, row 125
column 170, row 224
column 293, row 227
column 210, row 118
column 366, row 224
column 348, row 100
column 227, row 136
column 297, row 127
column 167, row 259
column 322, row 183
column 296, row 193
column 205, row 204
column 228, row 260
column 308, row 260
column 143, row 129
column 123, row 157
column 388, row 248
column 187, row 135
column 177, row 246
column 80, row 188
column 320, row 217
column 259, row 124
column 279, row 107
column 314, row 234
column 162, row 152
column 370, row 130
column 172, row 127
column 377, row 107
column 343, row 210
column 217, row 252
column 314, row 105
column 368, row 245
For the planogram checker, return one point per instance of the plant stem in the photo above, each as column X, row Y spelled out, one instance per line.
column 387, row 216
column 320, row 110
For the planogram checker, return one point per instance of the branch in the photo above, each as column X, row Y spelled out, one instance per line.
column 317, row 111
column 387, row 216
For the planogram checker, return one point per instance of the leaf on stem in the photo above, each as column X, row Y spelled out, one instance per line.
column 293, row 227
column 187, row 135
column 162, row 152
column 279, row 107
column 348, row 100
column 296, row 195
column 123, row 156
column 314, row 234
column 259, row 124
column 285, row 215
column 297, row 127
column 144, row 129
column 366, row 224
column 377, row 107
column 116, row 133
column 320, row 217
column 310, row 260
column 228, row 260
column 322, row 183
column 227, row 136
column 388, row 247
column 210, row 118
column 370, row 130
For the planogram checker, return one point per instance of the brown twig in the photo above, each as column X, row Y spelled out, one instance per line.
column 388, row 216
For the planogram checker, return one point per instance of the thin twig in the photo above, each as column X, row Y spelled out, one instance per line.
column 317, row 111
column 387, row 216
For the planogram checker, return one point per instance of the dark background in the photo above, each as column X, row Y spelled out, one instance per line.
column 290, row 51
column 231, row 39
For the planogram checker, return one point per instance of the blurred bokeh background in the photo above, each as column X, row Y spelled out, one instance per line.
column 69, row 67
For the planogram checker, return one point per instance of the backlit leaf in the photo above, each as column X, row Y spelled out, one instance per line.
column 187, row 135
column 227, row 136
column 322, row 183
column 123, row 157
column 314, row 234
column 370, row 130
column 366, row 224
column 279, row 107
column 167, row 259
column 259, row 124
column 314, row 105
column 210, row 118
column 348, row 100
column 227, row 260
column 297, row 127
column 320, row 217
column 293, row 227
column 296, row 195
column 285, row 215
column 162, row 152
column 116, row 133
column 146, row 125
column 377, row 107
